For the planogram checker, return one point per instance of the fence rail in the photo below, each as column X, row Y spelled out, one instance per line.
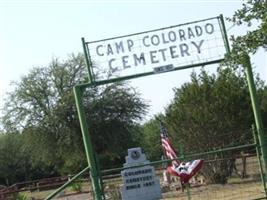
column 241, row 181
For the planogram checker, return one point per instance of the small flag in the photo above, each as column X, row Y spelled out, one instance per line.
column 184, row 170
column 167, row 146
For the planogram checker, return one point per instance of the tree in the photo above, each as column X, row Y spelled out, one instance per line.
column 212, row 112
column 113, row 115
column 209, row 106
column 254, row 15
column 42, row 108
column 150, row 138
column 14, row 161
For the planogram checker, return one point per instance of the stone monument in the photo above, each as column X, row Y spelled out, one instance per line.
column 139, row 183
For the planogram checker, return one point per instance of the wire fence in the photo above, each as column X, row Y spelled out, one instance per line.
column 228, row 174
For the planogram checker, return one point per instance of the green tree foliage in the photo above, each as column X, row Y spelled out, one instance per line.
column 42, row 108
column 212, row 112
column 253, row 14
column 150, row 138
column 215, row 111
column 113, row 114
column 14, row 160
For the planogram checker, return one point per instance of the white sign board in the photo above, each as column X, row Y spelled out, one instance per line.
column 139, row 183
column 158, row 50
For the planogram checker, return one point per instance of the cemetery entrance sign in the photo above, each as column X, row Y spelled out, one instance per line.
column 181, row 46
column 167, row 49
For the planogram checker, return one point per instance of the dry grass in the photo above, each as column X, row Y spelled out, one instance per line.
column 236, row 188
column 243, row 191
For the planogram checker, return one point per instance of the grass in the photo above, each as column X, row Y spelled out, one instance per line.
column 243, row 191
column 68, row 191
column 239, row 191
column 236, row 188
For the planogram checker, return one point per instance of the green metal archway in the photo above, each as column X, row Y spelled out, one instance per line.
column 91, row 156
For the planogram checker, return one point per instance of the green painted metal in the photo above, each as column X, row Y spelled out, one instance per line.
column 95, row 173
column 182, row 157
column 188, row 192
column 100, row 180
column 102, row 82
column 152, row 163
column 256, row 110
column 52, row 195
column 223, row 29
column 87, row 61
column 256, row 139
column 189, row 156
column 90, row 154
column 113, row 80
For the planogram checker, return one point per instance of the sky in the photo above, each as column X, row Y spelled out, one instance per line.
column 33, row 32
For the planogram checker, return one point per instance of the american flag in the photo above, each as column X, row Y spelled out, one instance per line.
column 168, row 149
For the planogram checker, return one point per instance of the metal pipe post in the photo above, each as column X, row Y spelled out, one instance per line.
column 52, row 195
column 256, row 110
column 87, row 144
column 256, row 139
column 223, row 29
column 87, row 61
column 187, row 185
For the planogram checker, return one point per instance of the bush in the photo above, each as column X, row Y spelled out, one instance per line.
column 20, row 196
column 218, row 170
column 220, row 178
column 76, row 186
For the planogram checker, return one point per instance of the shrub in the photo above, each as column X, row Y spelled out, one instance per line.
column 20, row 196
column 76, row 186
